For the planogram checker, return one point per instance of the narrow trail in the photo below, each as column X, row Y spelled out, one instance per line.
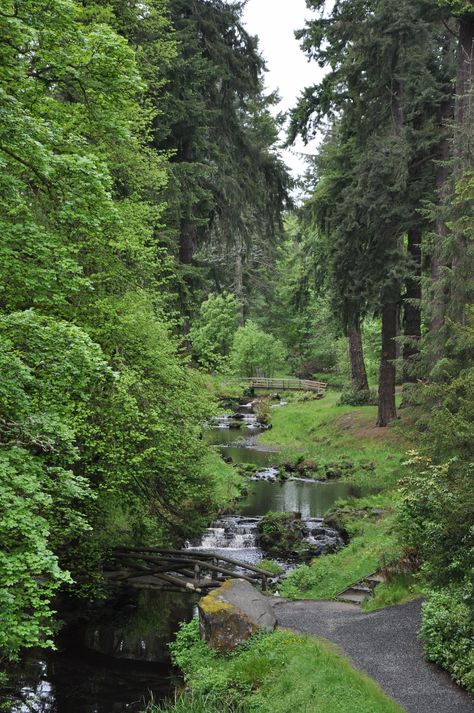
column 384, row 645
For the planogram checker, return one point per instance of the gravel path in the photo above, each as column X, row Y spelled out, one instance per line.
column 385, row 645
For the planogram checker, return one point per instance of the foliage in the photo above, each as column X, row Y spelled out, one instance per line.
column 51, row 366
column 274, row 672
column 227, row 182
column 271, row 566
column 447, row 632
column 100, row 416
column 436, row 514
column 357, row 397
column 263, row 411
column 399, row 590
column 189, row 702
column 212, row 332
column 255, row 352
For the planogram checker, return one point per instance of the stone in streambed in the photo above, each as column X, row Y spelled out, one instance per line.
column 233, row 613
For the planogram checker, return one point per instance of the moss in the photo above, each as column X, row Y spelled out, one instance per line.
column 282, row 533
column 211, row 603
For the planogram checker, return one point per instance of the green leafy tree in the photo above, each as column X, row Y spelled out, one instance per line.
column 213, row 331
column 255, row 352
column 100, row 417
column 50, row 368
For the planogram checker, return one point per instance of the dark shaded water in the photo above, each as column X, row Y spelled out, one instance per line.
column 81, row 681
column 116, row 663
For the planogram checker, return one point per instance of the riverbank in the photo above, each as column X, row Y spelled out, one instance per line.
column 273, row 673
column 328, row 433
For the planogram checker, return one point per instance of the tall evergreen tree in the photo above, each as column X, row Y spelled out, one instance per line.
column 384, row 87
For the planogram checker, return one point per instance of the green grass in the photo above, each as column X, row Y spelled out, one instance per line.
column 400, row 590
column 280, row 672
column 227, row 483
column 271, row 566
column 372, row 544
column 325, row 432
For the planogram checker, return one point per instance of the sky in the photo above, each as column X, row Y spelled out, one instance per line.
column 274, row 21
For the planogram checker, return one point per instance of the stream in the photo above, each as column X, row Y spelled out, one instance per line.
column 118, row 663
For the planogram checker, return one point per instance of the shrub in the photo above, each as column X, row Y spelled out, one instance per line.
column 263, row 411
column 358, row 397
column 448, row 632
column 282, row 533
column 255, row 351
column 436, row 516
column 322, row 361
column 271, row 566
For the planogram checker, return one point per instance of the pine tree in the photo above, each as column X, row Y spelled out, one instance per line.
column 383, row 87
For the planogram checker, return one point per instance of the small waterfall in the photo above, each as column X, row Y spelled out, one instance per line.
column 233, row 536
column 235, row 420
column 269, row 474
column 237, row 537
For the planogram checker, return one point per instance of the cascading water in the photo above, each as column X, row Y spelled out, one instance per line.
column 233, row 536
column 238, row 537
column 76, row 679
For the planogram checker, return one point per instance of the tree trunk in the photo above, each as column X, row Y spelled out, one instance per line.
column 464, row 86
column 412, row 307
column 356, row 359
column 387, row 409
column 438, row 292
column 187, row 243
column 464, row 160
column 239, row 277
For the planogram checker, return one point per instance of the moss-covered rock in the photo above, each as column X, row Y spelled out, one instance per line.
column 233, row 613
column 282, row 534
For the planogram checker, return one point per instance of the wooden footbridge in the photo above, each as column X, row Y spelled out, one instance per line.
column 178, row 570
column 264, row 384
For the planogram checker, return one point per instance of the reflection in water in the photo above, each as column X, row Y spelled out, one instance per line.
column 310, row 499
column 250, row 455
column 85, row 682
column 99, row 672
column 114, row 664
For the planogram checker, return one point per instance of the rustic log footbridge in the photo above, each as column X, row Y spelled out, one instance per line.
column 262, row 383
column 179, row 570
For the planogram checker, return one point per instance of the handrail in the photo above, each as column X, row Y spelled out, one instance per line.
column 291, row 384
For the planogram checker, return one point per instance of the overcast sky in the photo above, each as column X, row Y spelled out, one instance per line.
column 274, row 21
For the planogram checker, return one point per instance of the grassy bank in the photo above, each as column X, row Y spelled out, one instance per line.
column 373, row 542
column 227, row 483
column 272, row 673
column 325, row 432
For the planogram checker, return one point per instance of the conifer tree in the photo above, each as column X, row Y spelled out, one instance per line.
column 383, row 87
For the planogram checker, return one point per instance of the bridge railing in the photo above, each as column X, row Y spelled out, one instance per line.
column 270, row 384
column 179, row 570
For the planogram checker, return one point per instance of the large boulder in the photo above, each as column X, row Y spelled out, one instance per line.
column 233, row 613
